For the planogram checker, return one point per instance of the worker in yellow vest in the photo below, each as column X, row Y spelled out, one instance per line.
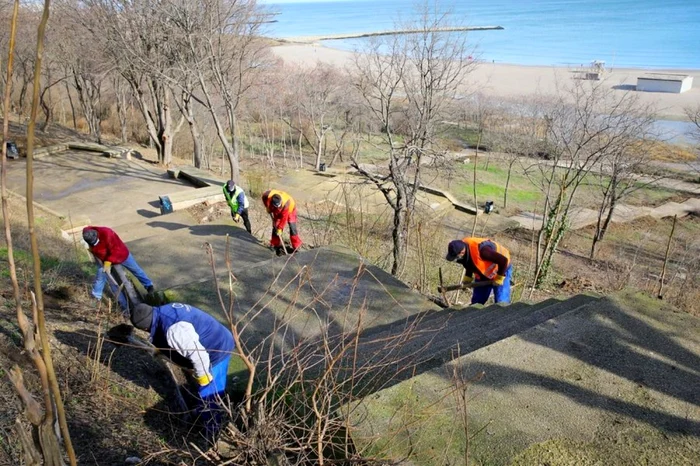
column 483, row 260
column 238, row 202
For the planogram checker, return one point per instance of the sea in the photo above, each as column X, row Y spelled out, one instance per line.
column 652, row 34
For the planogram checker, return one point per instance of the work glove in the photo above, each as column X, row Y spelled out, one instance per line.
column 204, row 380
column 467, row 280
column 499, row 280
column 106, row 266
column 236, row 218
column 278, row 232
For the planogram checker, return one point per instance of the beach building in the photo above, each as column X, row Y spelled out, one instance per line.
column 657, row 82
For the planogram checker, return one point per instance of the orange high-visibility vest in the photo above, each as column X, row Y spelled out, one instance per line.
column 288, row 203
column 486, row 268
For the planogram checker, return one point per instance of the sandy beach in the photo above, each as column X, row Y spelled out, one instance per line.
column 513, row 81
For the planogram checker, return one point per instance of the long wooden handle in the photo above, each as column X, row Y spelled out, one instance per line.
column 477, row 284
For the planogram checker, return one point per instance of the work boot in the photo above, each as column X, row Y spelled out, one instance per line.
column 279, row 250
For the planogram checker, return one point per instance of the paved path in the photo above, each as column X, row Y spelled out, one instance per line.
column 581, row 218
column 105, row 191
column 123, row 195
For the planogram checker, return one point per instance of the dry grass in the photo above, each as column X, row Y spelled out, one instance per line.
column 632, row 256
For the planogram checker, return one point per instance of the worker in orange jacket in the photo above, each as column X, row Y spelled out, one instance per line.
column 283, row 211
column 483, row 260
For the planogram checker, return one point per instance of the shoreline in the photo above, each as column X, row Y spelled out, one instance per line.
column 513, row 81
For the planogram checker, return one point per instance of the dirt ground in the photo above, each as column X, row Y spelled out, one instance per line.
column 118, row 399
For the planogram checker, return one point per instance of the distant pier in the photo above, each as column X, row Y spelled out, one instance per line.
column 359, row 35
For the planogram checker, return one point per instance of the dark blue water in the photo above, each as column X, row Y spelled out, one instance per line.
column 623, row 33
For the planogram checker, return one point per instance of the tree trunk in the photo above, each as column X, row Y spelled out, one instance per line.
column 505, row 192
column 231, row 150
column 476, row 205
column 319, row 150
column 72, row 106
column 400, row 206
column 602, row 229
column 144, row 107
column 398, row 239
column 188, row 113
column 89, row 93
column 121, row 108
column 165, row 119
column 23, row 95
column 234, row 155
column 48, row 111
column 47, row 434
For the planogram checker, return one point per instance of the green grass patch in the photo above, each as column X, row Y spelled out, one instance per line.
column 24, row 259
column 465, row 135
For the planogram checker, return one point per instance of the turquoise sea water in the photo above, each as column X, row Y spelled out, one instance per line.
column 623, row 33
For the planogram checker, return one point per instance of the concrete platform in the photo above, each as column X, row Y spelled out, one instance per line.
column 293, row 298
column 173, row 252
column 108, row 191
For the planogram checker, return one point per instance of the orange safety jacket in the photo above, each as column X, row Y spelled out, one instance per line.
column 282, row 214
column 486, row 268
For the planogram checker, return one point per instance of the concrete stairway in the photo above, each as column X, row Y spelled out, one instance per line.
column 579, row 375
column 430, row 339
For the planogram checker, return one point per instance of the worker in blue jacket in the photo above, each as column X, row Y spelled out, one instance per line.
column 238, row 202
column 195, row 340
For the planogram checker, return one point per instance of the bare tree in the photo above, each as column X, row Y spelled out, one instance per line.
column 316, row 95
column 220, row 40
column 693, row 114
column 406, row 81
column 514, row 135
column 480, row 117
column 122, row 95
column 585, row 122
column 133, row 34
column 43, row 446
column 618, row 176
column 24, row 56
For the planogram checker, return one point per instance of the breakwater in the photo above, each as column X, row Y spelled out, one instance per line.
column 360, row 35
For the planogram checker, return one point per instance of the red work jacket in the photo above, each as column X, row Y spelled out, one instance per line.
column 109, row 246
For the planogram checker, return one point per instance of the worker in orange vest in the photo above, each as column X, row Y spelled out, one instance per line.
column 283, row 211
column 483, row 260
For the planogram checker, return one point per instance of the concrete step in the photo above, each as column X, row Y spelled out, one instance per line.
column 183, row 199
column 424, row 322
column 200, row 178
column 440, row 337
column 537, row 315
column 441, row 332
column 482, row 337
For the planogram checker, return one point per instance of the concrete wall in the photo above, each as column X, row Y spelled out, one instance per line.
column 664, row 85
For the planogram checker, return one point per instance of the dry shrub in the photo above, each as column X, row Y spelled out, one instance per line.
column 61, row 265
column 309, row 388
column 670, row 152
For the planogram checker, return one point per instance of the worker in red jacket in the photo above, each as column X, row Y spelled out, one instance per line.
column 283, row 211
column 109, row 249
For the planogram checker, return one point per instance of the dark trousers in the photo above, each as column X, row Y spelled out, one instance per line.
column 246, row 220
